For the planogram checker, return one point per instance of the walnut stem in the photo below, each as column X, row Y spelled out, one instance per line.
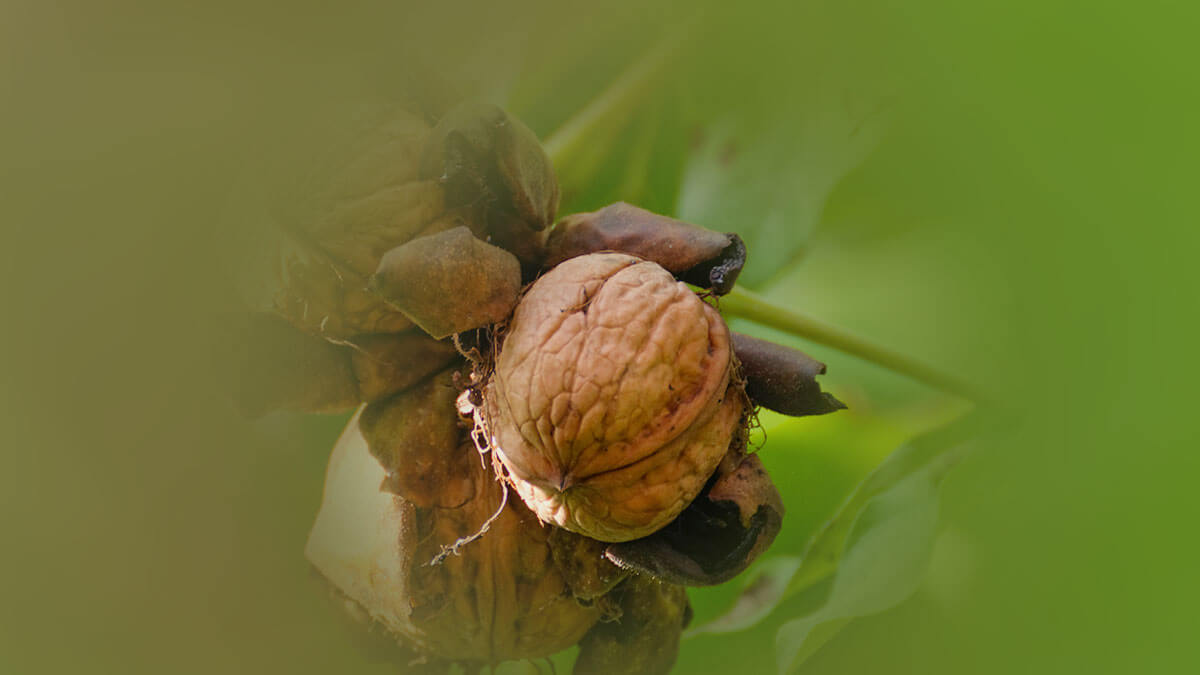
column 749, row 305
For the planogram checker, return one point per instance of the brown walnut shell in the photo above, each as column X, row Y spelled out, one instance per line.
column 612, row 400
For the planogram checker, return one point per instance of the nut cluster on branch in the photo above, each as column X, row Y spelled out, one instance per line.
column 613, row 399
column 552, row 416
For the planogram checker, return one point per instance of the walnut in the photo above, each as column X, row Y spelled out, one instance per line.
column 612, row 400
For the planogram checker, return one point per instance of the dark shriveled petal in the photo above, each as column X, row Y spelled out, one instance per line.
column 783, row 379
column 696, row 255
column 717, row 537
column 721, row 272
column 449, row 282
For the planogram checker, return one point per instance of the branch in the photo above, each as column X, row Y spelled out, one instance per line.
column 749, row 305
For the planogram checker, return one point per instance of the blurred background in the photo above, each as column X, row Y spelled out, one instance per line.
column 1002, row 190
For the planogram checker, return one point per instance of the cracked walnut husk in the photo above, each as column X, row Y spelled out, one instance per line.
column 550, row 442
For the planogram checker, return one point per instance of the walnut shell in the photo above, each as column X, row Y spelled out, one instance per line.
column 612, row 400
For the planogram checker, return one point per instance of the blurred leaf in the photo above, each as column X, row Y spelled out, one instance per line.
column 932, row 453
column 761, row 592
column 770, row 184
column 818, row 462
column 629, row 141
column 877, row 546
column 776, row 579
column 818, row 637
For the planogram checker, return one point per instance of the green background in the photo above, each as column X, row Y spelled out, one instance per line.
column 1003, row 190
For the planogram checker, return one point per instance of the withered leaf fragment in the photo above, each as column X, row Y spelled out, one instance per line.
column 449, row 282
column 417, row 440
column 477, row 147
column 698, row 256
column 585, row 569
column 386, row 363
column 645, row 639
column 321, row 298
column 783, row 379
column 353, row 195
column 716, row 537
column 280, row 367
column 489, row 161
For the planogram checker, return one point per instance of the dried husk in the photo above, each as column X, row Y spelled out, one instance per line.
column 415, row 437
column 645, row 640
column 782, row 378
column 698, row 256
column 449, row 282
column 718, row 536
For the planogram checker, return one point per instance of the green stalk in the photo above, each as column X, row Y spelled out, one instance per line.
column 749, row 305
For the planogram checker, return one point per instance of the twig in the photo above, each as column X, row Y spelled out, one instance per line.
column 749, row 305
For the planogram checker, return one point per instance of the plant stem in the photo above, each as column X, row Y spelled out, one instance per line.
column 749, row 305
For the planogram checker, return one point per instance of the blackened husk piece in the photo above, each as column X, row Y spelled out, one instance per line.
column 698, row 256
column 783, row 379
column 717, row 537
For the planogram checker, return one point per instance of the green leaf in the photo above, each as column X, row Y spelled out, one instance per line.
column 874, row 552
column 826, row 460
column 769, row 182
column 818, row 637
column 762, row 591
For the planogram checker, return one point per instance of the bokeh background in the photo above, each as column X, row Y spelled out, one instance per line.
column 1004, row 190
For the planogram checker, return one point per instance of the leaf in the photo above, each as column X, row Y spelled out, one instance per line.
column 761, row 593
column 770, row 184
column 877, row 546
column 818, row 637
column 830, row 496
column 938, row 449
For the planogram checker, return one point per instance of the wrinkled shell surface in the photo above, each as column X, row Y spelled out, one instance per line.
column 611, row 402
